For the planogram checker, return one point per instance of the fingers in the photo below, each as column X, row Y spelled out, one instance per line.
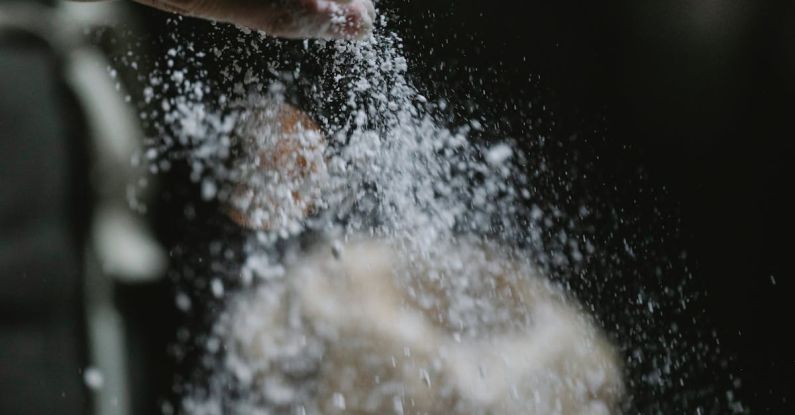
column 332, row 19
column 325, row 19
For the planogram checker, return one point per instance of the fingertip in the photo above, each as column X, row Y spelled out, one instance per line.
column 351, row 20
column 322, row 19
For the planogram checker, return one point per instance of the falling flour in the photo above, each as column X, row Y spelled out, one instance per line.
column 411, row 303
column 416, row 295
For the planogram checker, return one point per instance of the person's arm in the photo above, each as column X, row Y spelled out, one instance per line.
column 326, row 19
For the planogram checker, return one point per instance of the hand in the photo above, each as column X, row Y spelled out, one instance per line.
column 325, row 19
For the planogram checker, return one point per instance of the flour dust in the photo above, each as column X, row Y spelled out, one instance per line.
column 387, row 262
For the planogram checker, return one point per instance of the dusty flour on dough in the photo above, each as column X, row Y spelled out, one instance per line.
column 363, row 332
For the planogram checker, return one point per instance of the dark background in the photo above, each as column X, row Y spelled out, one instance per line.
column 677, row 116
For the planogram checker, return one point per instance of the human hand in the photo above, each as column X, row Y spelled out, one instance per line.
column 325, row 19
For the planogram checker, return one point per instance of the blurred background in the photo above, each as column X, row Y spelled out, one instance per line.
column 670, row 122
column 677, row 117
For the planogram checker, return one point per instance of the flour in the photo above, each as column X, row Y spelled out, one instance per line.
column 368, row 160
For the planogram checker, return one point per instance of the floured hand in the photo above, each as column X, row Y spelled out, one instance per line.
column 324, row 19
